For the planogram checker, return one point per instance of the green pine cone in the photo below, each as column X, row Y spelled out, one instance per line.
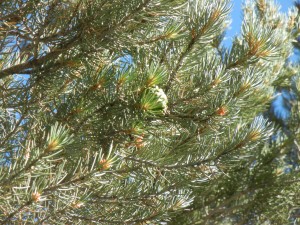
column 154, row 101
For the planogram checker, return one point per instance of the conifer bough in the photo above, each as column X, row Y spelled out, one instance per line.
column 133, row 112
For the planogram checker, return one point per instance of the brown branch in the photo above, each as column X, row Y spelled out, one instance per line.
column 13, row 131
column 190, row 46
column 21, row 68
column 7, row 219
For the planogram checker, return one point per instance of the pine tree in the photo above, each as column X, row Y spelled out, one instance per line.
column 268, row 194
column 132, row 112
column 284, row 112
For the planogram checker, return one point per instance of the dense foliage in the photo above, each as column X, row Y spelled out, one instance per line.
column 132, row 112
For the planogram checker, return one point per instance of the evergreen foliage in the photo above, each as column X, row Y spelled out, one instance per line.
column 132, row 112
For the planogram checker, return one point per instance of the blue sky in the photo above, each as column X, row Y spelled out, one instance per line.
column 236, row 16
